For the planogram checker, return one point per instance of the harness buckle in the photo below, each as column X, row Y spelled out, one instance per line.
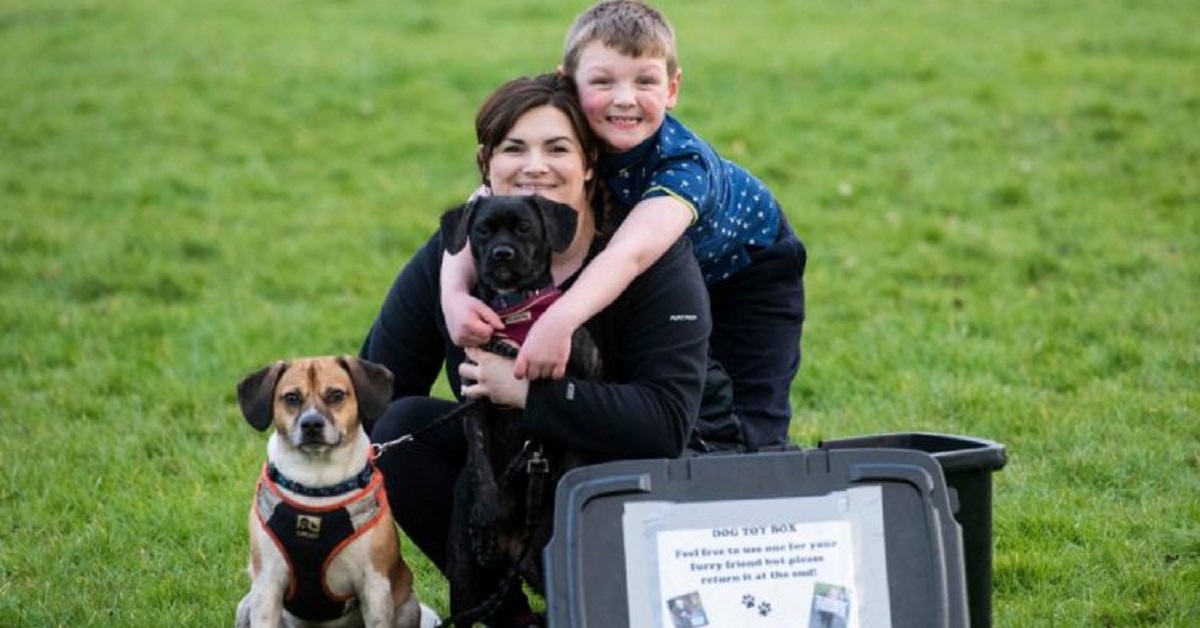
column 537, row 465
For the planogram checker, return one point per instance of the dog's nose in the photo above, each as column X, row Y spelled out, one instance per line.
column 311, row 424
column 503, row 253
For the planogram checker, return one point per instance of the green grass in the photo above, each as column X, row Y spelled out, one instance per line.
column 1000, row 201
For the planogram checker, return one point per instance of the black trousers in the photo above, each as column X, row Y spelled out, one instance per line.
column 758, row 317
column 420, row 475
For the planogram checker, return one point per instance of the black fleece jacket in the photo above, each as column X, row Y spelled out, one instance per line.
column 653, row 341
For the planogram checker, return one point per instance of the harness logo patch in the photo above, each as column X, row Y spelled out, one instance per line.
column 517, row 317
column 308, row 527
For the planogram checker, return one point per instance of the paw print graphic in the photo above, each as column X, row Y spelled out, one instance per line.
column 764, row 608
column 748, row 601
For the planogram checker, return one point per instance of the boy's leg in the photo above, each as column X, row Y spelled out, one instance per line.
column 758, row 316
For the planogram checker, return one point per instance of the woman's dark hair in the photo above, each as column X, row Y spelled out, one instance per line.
column 519, row 96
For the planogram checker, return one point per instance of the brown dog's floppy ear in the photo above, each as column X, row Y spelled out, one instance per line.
column 256, row 395
column 372, row 386
column 560, row 221
column 456, row 224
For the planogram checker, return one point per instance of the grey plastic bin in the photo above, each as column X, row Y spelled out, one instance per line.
column 586, row 559
column 968, row 464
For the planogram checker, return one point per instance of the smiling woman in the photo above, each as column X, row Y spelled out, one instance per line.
column 652, row 341
column 540, row 154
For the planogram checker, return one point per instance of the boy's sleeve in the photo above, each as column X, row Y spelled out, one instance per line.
column 687, row 178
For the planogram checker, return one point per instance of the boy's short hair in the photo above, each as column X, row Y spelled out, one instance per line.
column 632, row 27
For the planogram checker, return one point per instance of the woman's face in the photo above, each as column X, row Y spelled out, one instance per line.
column 541, row 155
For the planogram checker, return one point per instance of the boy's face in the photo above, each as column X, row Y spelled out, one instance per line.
column 625, row 98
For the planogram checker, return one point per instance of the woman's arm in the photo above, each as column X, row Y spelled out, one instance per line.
column 654, row 343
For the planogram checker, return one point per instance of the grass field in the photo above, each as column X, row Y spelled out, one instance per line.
column 1000, row 199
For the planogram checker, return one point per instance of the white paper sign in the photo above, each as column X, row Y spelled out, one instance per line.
column 793, row 562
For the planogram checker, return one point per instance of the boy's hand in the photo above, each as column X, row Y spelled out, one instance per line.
column 546, row 349
column 469, row 321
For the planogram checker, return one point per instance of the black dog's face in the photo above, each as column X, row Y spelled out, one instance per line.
column 509, row 245
column 512, row 238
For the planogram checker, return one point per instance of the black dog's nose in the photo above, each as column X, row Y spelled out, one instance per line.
column 503, row 252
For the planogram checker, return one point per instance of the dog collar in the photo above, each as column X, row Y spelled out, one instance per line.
column 515, row 300
column 360, row 481
column 520, row 309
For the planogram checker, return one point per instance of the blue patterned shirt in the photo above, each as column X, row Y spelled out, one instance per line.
column 731, row 208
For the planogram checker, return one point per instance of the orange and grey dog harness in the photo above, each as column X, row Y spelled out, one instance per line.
column 310, row 537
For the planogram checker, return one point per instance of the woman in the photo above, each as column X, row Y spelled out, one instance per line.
column 653, row 340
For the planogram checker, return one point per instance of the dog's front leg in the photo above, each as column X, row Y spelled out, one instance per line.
column 269, row 577
column 265, row 604
column 243, row 612
column 378, row 608
column 484, row 503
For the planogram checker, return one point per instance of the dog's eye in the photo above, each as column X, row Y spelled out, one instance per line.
column 524, row 228
column 291, row 398
column 335, row 396
column 482, row 232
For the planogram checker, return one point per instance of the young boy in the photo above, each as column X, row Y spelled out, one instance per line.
column 621, row 54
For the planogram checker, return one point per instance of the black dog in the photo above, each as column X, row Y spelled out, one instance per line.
column 504, row 497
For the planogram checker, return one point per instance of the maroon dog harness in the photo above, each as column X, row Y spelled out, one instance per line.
column 311, row 537
column 519, row 311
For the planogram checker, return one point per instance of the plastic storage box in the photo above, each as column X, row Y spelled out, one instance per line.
column 838, row 538
column 968, row 464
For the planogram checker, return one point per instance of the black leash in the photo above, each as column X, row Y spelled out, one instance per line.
column 537, row 468
column 459, row 410
column 493, row 346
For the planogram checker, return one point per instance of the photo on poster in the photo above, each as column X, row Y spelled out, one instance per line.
column 830, row 606
column 687, row 611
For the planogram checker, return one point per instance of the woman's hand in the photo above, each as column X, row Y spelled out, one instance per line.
column 469, row 321
column 493, row 378
column 546, row 349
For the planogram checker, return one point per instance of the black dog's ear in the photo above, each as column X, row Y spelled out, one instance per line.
column 560, row 221
column 372, row 386
column 456, row 225
column 256, row 395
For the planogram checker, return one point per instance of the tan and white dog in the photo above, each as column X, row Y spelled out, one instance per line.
column 324, row 550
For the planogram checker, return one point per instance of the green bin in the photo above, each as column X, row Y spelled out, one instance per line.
column 968, row 464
